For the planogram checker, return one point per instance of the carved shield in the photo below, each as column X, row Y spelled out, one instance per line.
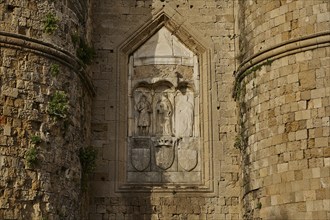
column 188, row 159
column 140, row 158
column 140, row 153
column 164, row 155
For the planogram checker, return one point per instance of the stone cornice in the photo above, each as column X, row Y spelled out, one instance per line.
column 17, row 41
column 286, row 48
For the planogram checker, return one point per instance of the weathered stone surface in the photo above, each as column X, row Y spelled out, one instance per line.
column 282, row 106
column 39, row 162
column 264, row 155
column 11, row 92
column 165, row 97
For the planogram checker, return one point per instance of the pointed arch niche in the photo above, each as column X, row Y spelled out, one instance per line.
column 164, row 140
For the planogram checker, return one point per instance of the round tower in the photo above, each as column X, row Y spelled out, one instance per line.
column 45, row 108
column 283, row 93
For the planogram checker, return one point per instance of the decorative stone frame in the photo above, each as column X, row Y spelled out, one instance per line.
column 202, row 51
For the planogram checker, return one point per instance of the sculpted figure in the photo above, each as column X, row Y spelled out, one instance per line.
column 164, row 112
column 184, row 117
column 144, row 109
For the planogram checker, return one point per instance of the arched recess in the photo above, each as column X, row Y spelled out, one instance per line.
column 148, row 153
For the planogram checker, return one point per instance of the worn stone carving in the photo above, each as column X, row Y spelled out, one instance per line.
column 143, row 121
column 188, row 153
column 164, row 112
column 164, row 139
column 187, row 158
column 140, row 153
column 164, row 152
column 184, row 116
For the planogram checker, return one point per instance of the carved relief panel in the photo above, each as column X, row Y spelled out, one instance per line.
column 163, row 113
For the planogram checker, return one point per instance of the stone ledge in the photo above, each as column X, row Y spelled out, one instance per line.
column 306, row 41
column 284, row 49
column 51, row 51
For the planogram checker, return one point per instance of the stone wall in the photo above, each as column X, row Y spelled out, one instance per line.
column 264, row 24
column 262, row 108
column 284, row 109
column 45, row 110
column 286, row 168
column 117, row 21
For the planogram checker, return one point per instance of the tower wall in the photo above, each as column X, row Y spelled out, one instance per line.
column 283, row 95
column 40, row 135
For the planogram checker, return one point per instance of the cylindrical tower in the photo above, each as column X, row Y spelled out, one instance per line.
column 283, row 94
column 45, row 107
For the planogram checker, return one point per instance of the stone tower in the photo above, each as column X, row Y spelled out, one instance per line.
column 282, row 88
column 45, row 107
column 198, row 109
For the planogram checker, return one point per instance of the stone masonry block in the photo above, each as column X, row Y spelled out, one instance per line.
column 10, row 92
column 7, row 130
column 301, row 134
column 307, row 80
column 322, row 142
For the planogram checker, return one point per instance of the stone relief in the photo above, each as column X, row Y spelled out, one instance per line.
column 164, row 153
column 184, row 116
column 140, row 153
column 143, row 119
column 187, row 153
column 163, row 137
column 163, row 113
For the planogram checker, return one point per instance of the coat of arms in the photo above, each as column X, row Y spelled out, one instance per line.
column 164, row 153
column 140, row 154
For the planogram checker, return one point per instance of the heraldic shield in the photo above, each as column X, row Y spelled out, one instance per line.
column 140, row 156
column 188, row 159
column 164, row 155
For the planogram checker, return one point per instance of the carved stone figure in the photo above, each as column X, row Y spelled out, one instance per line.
column 164, row 113
column 144, row 109
column 184, row 117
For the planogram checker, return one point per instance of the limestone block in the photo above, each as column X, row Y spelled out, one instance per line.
column 10, row 92
column 7, row 130
column 20, row 84
column 326, row 204
column 323, row 17
column 302, row 115
column 282, row 167
column 292, row 78
column 307, row 79
column 318, row 93
column 325, row 121
column 7, row 111
column 322, row 142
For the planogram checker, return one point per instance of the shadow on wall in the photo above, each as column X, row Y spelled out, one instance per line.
column 158, row 92
column 113, row 22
